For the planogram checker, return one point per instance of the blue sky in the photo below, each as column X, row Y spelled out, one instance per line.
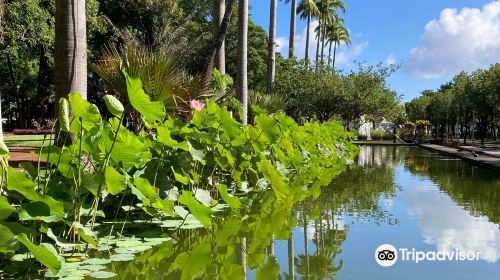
column 435, row 39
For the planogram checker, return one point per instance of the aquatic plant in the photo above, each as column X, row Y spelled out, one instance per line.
column 172, row 172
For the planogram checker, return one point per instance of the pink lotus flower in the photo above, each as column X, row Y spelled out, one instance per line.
column 196, row 105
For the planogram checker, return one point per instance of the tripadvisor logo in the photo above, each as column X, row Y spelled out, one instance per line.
column 387, row 255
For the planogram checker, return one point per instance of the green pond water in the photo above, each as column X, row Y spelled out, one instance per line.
column 407, row 197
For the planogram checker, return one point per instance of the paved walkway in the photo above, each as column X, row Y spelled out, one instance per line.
column 20, row 155
column 465, row 153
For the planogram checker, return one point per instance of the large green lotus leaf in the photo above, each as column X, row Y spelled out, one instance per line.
column 86, row 234
column 46, row 254
column 84, row 110
column 130, row 151
column 193, row 264
column 232, row 201
column 180, row 178
column 151, row 110
column 146, row 188
column 115, row 181
column 5, row 208
column 8, row 244
column 204, row 197
column 37, row 210
column 198, row 210
column 269, row 126
column 21, row 183
column 166, row 205
column 272, row 175
column 164, row 136
column 92, row 182
column 270, row 270
column 196, row 151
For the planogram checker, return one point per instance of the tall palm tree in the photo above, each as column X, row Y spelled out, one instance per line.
column 337, row 34
column 293, row 12
column 308, row 9
column 242, row 78
column 328, row 14
column 219, row 9
column 271, row 63
column 70, row 59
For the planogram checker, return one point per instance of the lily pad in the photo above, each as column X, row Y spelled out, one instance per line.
column 97, row 261
column 102, row 274
column 122, row 257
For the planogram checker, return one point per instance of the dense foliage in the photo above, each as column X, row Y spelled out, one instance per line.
column 354, row 97
column 468, row 104
column 170, row 170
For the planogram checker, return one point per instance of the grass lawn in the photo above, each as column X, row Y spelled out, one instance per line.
column 26, row 140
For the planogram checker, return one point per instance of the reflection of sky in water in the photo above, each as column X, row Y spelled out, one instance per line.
column 448, row 226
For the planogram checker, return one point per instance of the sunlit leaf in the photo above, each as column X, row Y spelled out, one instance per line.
column 198, row 210
column 46, row 254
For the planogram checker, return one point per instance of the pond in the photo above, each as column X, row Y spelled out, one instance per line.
column 408, row 197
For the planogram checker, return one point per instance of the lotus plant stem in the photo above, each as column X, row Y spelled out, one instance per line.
column 39, row 159
column 116, row 216
column 126, row 216
column 105, row 163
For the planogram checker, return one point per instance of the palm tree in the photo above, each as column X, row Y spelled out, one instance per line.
column 219, row 9
column 293, row 12
column 328, row 14
column 307, row 9
column 271, row 64
column 336, row 34
column 70, row 59
column 242, row 78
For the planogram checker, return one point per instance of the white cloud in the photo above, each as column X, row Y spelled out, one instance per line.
column 345, row 54
column 458, row 40
column 391, row 60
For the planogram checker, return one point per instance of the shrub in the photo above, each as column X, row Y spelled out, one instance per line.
column 31, row 131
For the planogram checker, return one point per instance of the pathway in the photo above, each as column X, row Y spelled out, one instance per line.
column 482, row 158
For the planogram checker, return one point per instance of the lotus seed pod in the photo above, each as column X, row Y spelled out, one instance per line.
column 4, row 151
column 114, row 105
column 64, row 114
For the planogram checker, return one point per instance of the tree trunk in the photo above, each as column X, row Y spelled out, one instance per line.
column 219, row 42
column 219, row 10
column 334, row 55
column 323, row 33
column 242, row 78
column 317, row 46
column 271, row 63
column 330, row 54
column 308, row 37
column 70, row 59
column 293, row 14
column 1, row 42
column 291, row 258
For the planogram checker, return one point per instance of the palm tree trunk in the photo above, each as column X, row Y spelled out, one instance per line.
column 70, row 59
column 323, row 47
column 242, row 78
column 219, row 42
column 293, row 14
column 291, row 264
column 1, row 42
column 271, row 63
column 317, row 45
column 334, row 55
column 219, row 9
column 308, row 37
column 330, row 54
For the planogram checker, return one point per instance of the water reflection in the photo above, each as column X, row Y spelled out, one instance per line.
column 416, row 198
